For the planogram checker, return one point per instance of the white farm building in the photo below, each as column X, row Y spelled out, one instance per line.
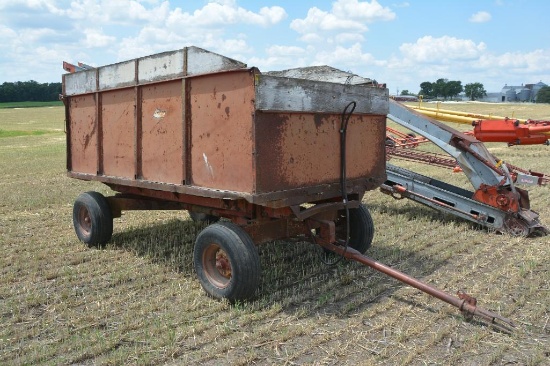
column 523, row 93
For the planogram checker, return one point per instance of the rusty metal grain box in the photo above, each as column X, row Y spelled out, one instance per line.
column 194, row 122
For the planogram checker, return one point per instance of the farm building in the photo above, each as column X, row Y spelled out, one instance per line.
column 523, row 93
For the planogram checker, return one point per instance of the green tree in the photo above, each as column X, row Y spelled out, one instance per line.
column 453, row 88
column 543, row 95
column 475, row 91
column 441, row 88
column 427, row 89
column 406, row 92
column 27, row 91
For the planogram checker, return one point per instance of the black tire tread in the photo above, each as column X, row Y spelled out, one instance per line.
column 243, row 255
column 101, row 216
column 361, row 229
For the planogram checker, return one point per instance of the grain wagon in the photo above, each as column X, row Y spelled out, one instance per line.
column 276, row 157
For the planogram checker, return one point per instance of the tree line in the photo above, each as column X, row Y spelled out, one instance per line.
column 32, row 91
column 29, row 91
column 444, row 88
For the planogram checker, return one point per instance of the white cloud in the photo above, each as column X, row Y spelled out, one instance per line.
column 90, row 10
column 7, row 34
column 537, row 61
column 402, row 5
column 318, row 20
column 345, row 15
column 96, row 38
column 347, row 38
column 153, row 39
column 362, row 10
column 31, row 4
column 224, row 13
column 271, row 16
column 350, row 57
column 214, row 13
column 123, row 12
column 311, row 38
column 480, row 17
column 285, row 51
column 230, row 47
column 436, row 50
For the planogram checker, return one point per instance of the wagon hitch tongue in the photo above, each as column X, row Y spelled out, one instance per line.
column 464, row 302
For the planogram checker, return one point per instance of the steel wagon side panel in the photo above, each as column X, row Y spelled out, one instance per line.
column 162, row 133
column 303, row 150
column 298, row 134
column 117, row 123
column 82, row 136
column 229, row 132
column 221, row 115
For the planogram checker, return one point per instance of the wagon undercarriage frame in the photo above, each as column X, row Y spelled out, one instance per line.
column 262, row 223
column 221, row 272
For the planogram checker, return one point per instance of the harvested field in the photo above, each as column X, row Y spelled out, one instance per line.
column 138, row 302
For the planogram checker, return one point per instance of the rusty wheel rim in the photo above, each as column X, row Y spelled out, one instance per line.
column 216, row 266
column 84, row 220
column 516, row 228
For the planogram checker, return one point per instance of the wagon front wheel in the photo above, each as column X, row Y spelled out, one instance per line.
column 361, row 228
column 92, row 219
column 227, row 262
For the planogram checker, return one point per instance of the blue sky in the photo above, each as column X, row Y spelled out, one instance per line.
column 401, row 43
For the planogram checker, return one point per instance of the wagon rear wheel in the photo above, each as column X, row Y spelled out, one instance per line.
column 92, row 219
column 227, row 262
column 361, row 228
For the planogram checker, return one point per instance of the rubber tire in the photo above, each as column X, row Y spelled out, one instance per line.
column 243, row 258
column 361, row 227
column 202, row 217
column 93, row 206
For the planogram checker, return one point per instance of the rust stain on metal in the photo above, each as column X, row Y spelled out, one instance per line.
column 222, row 131
column 118, row 132
column 83, row 137
column 162, row 133
column 209, row 132
column 295, row 150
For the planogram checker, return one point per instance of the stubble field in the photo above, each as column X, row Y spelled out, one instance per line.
column 138, row 302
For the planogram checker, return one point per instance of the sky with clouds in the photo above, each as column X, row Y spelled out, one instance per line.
column 398, row 42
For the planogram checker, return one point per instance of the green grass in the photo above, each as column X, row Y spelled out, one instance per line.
column 138, row 301
column 56, row 103
column 30, row 120
column 15, row 133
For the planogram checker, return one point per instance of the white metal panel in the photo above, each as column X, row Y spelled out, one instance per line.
column 117, row 75
column 162, row 66
column 275, row 93
column 200, row 61
column 81, row 82
column 323, row 73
